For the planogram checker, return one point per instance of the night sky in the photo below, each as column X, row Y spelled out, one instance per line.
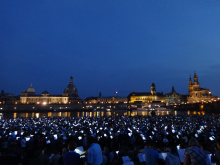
column 109, row 45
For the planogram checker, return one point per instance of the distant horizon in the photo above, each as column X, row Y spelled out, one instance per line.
column 119, row 94
column 109, row 46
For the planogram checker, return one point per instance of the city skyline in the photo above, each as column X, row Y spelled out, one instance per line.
column 115, row 93
column 109, row 46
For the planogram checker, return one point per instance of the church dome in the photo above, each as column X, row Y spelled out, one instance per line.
column 31, row 89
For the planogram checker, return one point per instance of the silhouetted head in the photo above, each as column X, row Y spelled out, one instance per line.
column 193, row 142
column 72, row 145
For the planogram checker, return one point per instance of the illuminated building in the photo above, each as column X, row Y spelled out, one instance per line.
column 29, row 97
column 174, row 98
column 7, row 98
column 72, row 92
column 197, row 94
column 146, row 97
column 106, row 100
column 69, row 95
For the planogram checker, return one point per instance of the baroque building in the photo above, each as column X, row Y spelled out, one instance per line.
column 29, row 97
column 106, row 100
column 197, row 94
column 69, row 95
column 174, row 98
column 146, row 97
column 71, row 92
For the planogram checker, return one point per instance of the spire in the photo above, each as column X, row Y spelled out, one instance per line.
column 190, row 80
column 71, row 80
column 153, row 89
column 195, row 78
column 173, row 89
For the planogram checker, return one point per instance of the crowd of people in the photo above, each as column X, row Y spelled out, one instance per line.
column 108, row 140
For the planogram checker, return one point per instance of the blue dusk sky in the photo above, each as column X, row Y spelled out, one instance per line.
column 109, row 45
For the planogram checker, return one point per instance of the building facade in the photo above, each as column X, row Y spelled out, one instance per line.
column 106, row 100
column 146, row 97
column 197, row 94
column 174, row 98
column 69, row 96
column 29, row 97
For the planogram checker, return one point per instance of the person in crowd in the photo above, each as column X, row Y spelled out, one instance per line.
column 172, row 158
column 216, row 156
column 55, row 158
column 55, row 133
column 11, row 157
column 44, row 157
column 194, row 155
column 151, row 155
column 217, row 153
column 94, row 153
column 71, row 157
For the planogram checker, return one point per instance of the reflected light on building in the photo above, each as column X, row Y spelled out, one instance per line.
column 49, row 114
column 202, row 106
column 37, row 115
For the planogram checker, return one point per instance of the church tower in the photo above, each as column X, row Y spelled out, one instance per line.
column 196, row 84
column 153, row 89
column 71, row 80
column 71, row 90
column 190, row 86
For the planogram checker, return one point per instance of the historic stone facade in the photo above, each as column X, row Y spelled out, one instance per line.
column 70, row 95
column 146, row 97
column 29, row 97
column 174, row 98
column 197, row 94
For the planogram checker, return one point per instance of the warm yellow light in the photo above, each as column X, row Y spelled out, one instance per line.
column 188, row 112
column 44, row 103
